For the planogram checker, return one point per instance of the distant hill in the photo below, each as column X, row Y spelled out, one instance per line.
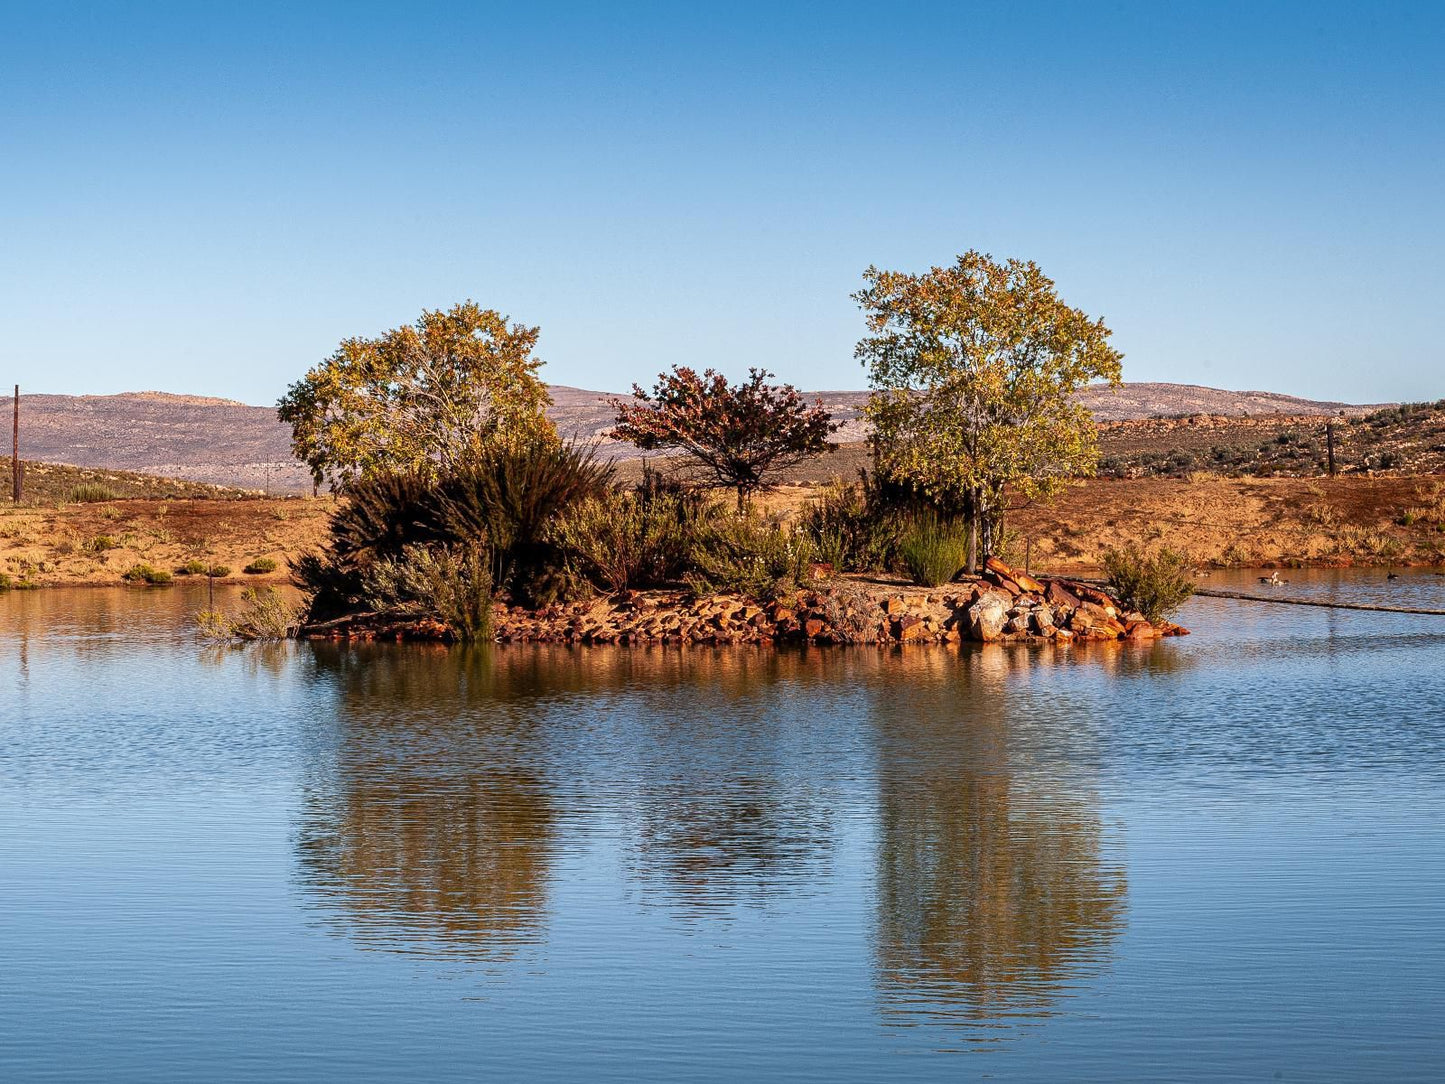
column 228, row 443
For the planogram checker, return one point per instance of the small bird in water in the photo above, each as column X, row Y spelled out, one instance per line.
column 1273, row 580
column 1392, row 575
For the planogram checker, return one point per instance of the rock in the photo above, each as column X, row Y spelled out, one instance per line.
column 895, row 606
column 986, row 618
column 1017, row 625
column 1058, row 595
column 813, row 627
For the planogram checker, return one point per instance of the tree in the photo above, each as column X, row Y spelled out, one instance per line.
column 973, row 369
column 418, row 398
column 737, row 435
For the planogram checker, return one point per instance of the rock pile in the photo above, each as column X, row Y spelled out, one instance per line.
column 1003, row 604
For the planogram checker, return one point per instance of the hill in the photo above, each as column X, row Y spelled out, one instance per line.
column 223, row 442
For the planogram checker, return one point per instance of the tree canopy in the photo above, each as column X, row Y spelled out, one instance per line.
column 973, row 368
column 419, row 397
column 737, row 435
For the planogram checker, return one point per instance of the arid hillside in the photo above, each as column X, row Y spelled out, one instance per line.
column 228, row 443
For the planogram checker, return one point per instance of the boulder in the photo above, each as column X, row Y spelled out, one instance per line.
column 986, row 618
column 1058, row 595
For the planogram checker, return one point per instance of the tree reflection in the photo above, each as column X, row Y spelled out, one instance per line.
column 994, row 892
column 430, row 826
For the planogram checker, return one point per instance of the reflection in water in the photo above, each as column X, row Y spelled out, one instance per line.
column 432, row 831
column 993, row 891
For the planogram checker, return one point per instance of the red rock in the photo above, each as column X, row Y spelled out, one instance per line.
column 813, row 626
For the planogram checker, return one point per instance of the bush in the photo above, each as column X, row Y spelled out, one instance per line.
column 100, row 543
column 509, row 497
column 742, row 555
column 1155, row 586
column 450, row 583
column 192, row 567
column 934, row 552
column 260, row 566
column 156, row 577
column 640, row 539
column 855, row 526
column 218, row 572
column 91, row 493
column 266, row 616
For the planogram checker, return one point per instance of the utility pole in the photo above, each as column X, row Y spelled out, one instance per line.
column 15, row 451
column 1330, row 446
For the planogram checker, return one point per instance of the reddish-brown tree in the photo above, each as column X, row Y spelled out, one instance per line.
column 737, row 435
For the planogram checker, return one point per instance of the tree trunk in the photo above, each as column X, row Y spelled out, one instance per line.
column 973, row 541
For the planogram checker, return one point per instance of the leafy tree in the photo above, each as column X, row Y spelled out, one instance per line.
column 737, row 435
column 418, row 398
column 973, row 369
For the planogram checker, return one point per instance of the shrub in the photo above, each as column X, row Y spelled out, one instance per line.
column 451, row 583
column 641, row 539
column 855, row 526
column 157, row 577
column 260, row 566
column 91, row 493
column 192, row 567
column 933, row 552
column 5, row 581
column 1155, row 586
column 266, row 616
column 742, row 555
column 218, row 572
column 508, row 497
column 100, row 543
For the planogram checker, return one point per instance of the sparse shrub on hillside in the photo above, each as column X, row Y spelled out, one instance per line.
column 91, row 493
column 746, row 556
column 260, row 566
column 1154, row 585
column 934, row 552
column 143, row 573
column 218, row 572
column 100, row 543
column 192, row 567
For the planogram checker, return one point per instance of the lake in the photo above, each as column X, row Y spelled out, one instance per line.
column 1213, row 858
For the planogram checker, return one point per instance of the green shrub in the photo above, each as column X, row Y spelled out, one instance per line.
column 266, row 615
column 509, row 497
column 143, row 573
column 91, row 493
column 6, row 583
column 260, row 566
column 1155, row 586
column 192, row 567
column 933, row 552
column 450, row 583
column 218, row 572
column 640, row 539
column 100, row 543
column 855, row 526
column 742, row 555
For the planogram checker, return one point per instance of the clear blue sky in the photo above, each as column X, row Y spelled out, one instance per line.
column 206, row 198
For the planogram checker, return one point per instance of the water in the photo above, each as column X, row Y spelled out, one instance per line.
column 1215, row 858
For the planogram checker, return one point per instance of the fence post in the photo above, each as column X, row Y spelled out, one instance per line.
column 15, row 451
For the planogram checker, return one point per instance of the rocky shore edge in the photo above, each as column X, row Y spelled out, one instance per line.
column 1001, row 605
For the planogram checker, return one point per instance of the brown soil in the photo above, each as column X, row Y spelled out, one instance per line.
column 77, row 544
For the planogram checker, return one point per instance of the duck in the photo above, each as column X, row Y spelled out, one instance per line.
column 1392, row 575
column 1273, row 580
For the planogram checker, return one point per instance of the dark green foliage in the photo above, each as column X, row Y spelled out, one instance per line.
column 510, row 496
column 746, row 556
column 934, row 551
column 193, row 567
column 381, row 515
column 1155, row 585
column 857, row 526
column 218, row 572
column 260, row 566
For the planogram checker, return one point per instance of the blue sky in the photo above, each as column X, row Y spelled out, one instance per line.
column 207, row 198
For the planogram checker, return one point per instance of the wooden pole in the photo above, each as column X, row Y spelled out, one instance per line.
column 15, row 451
column 1330, row 445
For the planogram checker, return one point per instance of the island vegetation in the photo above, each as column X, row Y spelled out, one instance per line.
column 464, row 515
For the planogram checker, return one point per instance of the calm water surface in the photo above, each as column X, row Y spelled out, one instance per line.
column 1217, row 858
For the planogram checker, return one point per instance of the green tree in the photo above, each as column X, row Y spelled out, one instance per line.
column 418, row 398
column 973, row 369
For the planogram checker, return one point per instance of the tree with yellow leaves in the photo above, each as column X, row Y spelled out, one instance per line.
column 418, row 398
column 973, row 369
